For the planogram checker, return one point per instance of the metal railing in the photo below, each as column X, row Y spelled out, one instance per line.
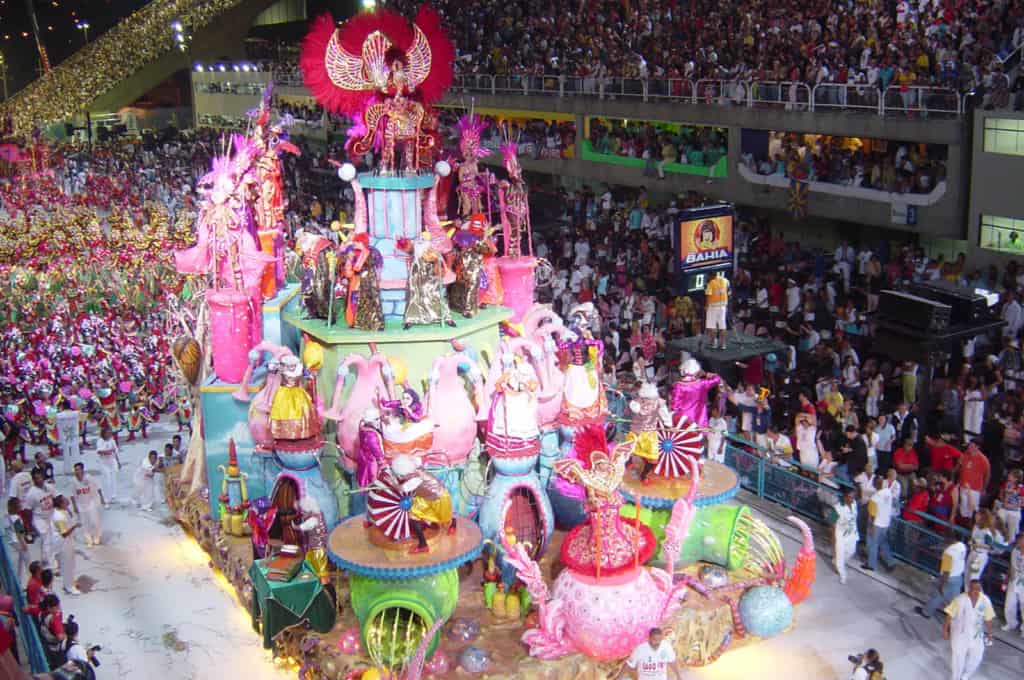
column 797, row 96
column 28, row 633
column 797, row 487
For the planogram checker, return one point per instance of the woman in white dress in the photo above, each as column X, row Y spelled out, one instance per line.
column 974, row 407
column 808, row 444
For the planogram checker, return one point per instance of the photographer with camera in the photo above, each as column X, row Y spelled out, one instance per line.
column 80, row 661
column 867, row 666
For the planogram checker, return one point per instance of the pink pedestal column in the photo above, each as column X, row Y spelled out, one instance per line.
column 231, row 332
column 517, row 280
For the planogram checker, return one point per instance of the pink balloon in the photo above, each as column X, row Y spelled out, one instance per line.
column 350, row 642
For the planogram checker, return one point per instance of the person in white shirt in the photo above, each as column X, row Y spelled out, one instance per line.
column 582, row 251
column 968, row 628
column 145, row 481
column 1015, row 587
column 808, row 445
column 17, row 537
column 109, row 464
column 717, row 427
column 884, row 444
column 880, row 511
column 844, row 532
column 1012, row 314
column 951, row 578
column 792, row 296
column 64, row 544
column 87, row 500
column 778, row 444
column 39, row 499
column 652, row 660
column 892, row 482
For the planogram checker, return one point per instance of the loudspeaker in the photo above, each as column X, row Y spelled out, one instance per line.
column 967, row 307
column 69, row 129
column 913, row 312
column 102, row 133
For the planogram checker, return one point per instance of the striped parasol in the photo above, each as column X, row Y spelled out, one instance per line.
column 387, row 508
column 683, row 439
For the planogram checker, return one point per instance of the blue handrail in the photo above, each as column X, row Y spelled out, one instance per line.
column 27, row 630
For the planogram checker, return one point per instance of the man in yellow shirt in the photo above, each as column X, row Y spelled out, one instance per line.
column 968, row 628
column 716, row 302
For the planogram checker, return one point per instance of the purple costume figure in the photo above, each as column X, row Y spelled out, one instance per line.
column 371, row 448
column 408, row 408
column 690, row 395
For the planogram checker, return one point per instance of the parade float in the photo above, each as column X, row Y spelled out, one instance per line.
column 391, row 440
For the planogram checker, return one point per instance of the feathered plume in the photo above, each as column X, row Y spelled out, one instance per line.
column 589, row 439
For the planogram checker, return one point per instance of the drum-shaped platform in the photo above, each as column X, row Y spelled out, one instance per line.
column 718, row 483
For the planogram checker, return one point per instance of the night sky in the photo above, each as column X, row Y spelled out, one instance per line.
column 57, row 19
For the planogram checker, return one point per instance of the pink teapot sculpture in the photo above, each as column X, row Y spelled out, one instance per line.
column 367, row 387
column 604, row 616
column 452, row 410
column 283, row 370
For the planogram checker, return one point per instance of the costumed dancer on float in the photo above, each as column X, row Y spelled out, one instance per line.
column 690, row 393
column 359, row 71
column 426, row 299
column 512, row 419
column 431, row 502
column 472, row 182
column 515, row 207
column 370, row 454
column 583, row 400
column 293, row 415
column 716, row 303
column 600, row 470
column 650, row 412
column 473, row 245
column 360, row 264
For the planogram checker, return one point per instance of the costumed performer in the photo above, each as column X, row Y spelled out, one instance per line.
column 426, row 301
column 649, row 413
column 472, row 246
column 690, row 393
column 583, row 400
column 292, row 412
column 360, row 264
column 431, row 502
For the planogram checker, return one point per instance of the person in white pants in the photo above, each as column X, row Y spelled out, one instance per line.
column 845, row 532
column 984, row 536
column 109, row 464
column 145, row 481
column 87, row 500
column 968, row 627
column 16, row 536
column 1015, row 588
column 64, row 543
column 1011, row 497
column 39, row 499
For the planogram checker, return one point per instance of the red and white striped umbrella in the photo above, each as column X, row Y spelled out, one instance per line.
column 676, row 443
column 387, row 508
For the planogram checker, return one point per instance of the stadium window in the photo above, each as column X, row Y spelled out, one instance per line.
column 1004, row 135
column 1004, row 234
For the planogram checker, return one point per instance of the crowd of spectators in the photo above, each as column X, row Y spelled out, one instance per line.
column 876, row 43
column 658, row 144
column 832, row 406
column 144, row 35
column 883, row 165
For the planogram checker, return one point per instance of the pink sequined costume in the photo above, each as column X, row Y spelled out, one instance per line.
column 690, row 397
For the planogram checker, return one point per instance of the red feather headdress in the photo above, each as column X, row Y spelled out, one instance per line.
column 344, row 68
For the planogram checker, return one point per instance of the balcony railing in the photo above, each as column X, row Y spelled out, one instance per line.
column 792, row 96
